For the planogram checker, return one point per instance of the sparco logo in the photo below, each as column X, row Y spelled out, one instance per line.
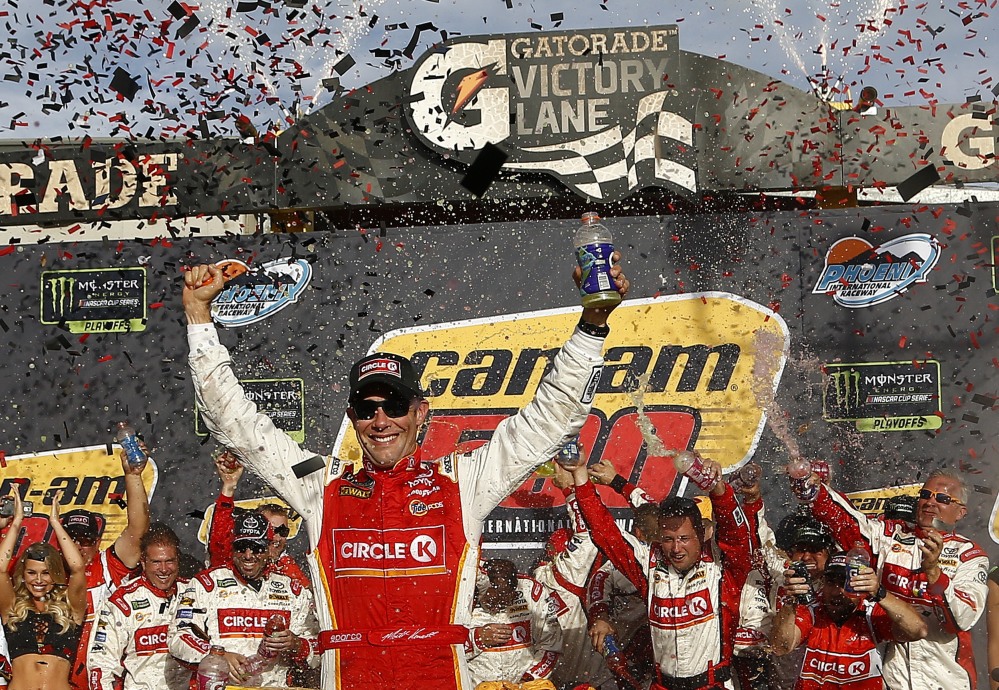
column 858, row 274
column 590, row 108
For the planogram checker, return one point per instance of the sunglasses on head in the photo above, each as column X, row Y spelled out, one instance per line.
column 392, row 407
column 941, row 497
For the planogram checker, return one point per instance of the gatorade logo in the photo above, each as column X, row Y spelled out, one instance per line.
column 389, row 553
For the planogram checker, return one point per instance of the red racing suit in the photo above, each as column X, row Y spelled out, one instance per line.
column 950, row 607
column 394, row 552
column 104, row 574
column 130, row 641
column 692, row 615
column 534, row 647
column 845, row 655
column 233, row 614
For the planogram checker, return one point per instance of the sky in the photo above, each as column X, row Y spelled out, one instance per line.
column 195, row 67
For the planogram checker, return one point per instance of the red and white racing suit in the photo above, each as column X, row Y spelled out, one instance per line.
column 395, row 552
column 233, row 614
column 104, row 575
column 842, row 655
column 950, row 606
column 693, row 614
column 129, row 644
column 534, row 646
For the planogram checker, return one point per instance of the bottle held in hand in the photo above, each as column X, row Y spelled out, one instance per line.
column 594, row 248
column 568, row 454
column 125, row 435
column 617, row 663
column 799, row 470
column 857, row 558
column 689, row 464
column 745, row 477
column 264, row 659
column 213, row 671
column 800, row 569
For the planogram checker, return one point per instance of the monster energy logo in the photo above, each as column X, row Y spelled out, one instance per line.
column 62, row 292
column 846, row 386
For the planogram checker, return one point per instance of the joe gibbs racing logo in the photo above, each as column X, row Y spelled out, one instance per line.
column 688, row 371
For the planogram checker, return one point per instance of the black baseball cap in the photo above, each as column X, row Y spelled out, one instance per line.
column 82, row 524
column 901, row 507
column 393, row 371
column 802, row 530
column 251, row 528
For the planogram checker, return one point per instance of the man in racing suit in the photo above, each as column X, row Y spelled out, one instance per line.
column 692, row 589
column 514, row 635
column 394, row 542
column 233, row 607
column 129, row 645
column 939, row 572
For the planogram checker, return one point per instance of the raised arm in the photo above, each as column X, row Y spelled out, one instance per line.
column 126, row 546
column 7, row 545
column 220, row 530
column 77, row 586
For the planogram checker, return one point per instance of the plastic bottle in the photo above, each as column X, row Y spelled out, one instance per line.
column 126, row 436
column 264, row 659
column 617, row 663
column 594, row 247
column 800, row 569
column 856, row 559
column 213, row 671
column 800, row 472
column 688, row 462
column 745, row 476
column 568, row 454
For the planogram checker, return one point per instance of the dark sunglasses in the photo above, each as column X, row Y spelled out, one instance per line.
column 253, row 548
column 392, row 407
column 942, row 498
column 85, row 541
column 281, row 530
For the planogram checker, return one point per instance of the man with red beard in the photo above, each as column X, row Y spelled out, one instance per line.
column 129, row 647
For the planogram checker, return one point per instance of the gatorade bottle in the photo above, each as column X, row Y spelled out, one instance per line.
column 126, row 436
column 594, row 247
column 213, row 671
column 856, row 559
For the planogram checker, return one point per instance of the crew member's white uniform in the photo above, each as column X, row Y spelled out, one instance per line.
column 233, row 615
column 534, row 646
column 129, row 643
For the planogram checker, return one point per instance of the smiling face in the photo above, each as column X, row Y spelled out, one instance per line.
column 932, row 507
column 386, row 439
column 37, row 579
column 280, row 524
column 680, row 542
column 250, row 559
column 160, row 563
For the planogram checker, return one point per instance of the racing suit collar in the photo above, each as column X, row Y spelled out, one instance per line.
column 162, row 594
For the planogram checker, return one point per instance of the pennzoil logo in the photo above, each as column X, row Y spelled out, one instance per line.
column 589, row 107
column 254, row 294
column 89, row 478
column 698, row 369
column 858, row 274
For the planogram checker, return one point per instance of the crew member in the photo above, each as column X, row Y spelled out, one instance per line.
column 129, row 646
column 233, row 607
column 513, row 634
column 394, row 542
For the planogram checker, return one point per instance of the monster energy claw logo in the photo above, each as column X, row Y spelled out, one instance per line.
column 846, row 387
column 62, row 290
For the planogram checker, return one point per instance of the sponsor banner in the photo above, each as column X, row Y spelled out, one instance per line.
column 89, row 478
column 294, row 519
column 858, row 274
column 871, row 502
column 254, row 294
column 151, row 640
column 883, row 396
column 686, row 371
column 283, row 400
column 95, row 300
column 601, row 110
column 389, row 553
column 826, row 666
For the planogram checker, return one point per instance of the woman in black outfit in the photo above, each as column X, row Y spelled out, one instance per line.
column 42, row 610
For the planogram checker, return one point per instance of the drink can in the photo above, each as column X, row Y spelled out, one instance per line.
column 800, row 569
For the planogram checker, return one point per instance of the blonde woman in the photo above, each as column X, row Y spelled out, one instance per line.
column 41, row 608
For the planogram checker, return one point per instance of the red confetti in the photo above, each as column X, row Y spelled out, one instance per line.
column 902, row 341
column 155, row 305
column 105, row 358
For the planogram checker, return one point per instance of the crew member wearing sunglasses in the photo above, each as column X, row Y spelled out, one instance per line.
column 395, row 537
column 842, row 631
column 230, row 470
column 942, row 574
column 233, row 606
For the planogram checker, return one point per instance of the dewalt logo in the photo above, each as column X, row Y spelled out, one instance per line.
column 688, row 371
column 88, row 477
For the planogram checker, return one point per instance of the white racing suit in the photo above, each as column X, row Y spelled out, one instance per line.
column 950, row 606
column 534, row 646
column 233, row 615
column 394, row 552
column 129, row 643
